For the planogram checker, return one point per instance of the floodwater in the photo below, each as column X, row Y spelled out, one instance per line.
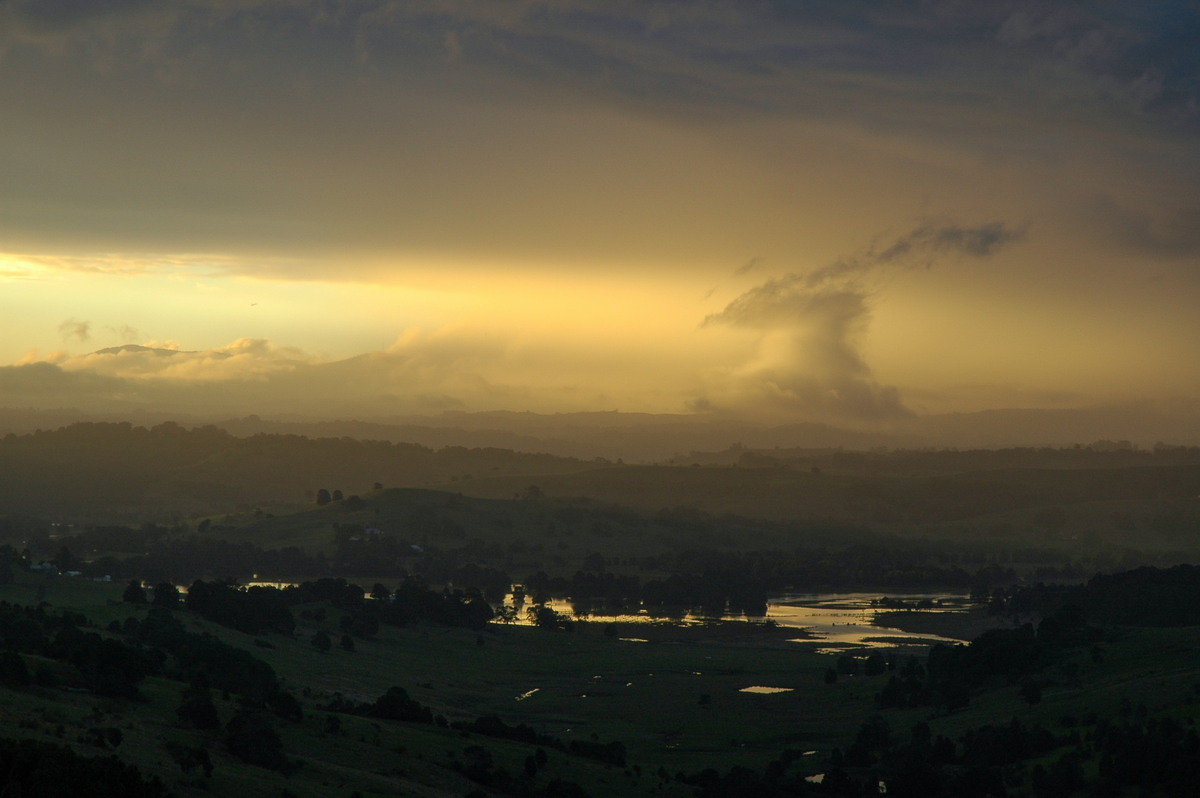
column 844, row 619
column 838, row 620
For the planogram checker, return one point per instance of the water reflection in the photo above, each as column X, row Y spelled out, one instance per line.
column 839, row 620
column 845, row 619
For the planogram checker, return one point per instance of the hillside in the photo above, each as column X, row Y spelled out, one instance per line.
column 119, row 473
column 431, row 710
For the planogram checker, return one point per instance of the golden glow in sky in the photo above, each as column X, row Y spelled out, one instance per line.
column 766, row 211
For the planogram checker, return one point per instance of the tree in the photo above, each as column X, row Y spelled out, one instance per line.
column 396, row 704
column 13, row 671
column 134, row 594
column 197, row 708
column 285, row 705
column 64, row 560
column 337, row 496
column 189, row 758
column 544, row 617
column 323, row 497
column 321, row 641
column 251, row 737
column 166, row 595
column 1031, row 691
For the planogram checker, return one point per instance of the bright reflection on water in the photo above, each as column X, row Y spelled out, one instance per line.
column 844, row 619
column 840, row 620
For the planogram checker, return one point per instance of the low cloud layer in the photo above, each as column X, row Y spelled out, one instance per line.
column 809, row 360
column 422, row 372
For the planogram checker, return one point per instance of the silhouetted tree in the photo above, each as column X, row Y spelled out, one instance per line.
column 13, row 671
column 251, row 737
column 1031, row 691
column 166, row 595
column 134, row 594
column 64, row 560
column 197, row 708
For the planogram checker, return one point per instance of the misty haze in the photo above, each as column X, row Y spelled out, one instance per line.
column 588, row 398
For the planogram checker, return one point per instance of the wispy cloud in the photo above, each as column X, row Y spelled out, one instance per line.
column 72, row 329
column 750, row 265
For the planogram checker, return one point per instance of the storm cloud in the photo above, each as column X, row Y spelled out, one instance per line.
column 544, row 189
column 810, row 359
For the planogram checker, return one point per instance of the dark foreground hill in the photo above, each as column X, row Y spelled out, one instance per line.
column 162, row 697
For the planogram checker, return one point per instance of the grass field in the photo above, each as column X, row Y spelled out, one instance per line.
column 671, row 695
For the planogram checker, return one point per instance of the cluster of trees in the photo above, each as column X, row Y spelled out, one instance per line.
column 253, row 610
column 412, row 601
column 1133, row 752
column 1145, row 596
column 1014, row 656
column 104, row 665
column 1156, row 756
column 261, row 609
column 397, row 705
column 610, row 753
column 36, row 768
column 114, row 666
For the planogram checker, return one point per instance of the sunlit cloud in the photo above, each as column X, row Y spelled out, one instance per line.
column 243, row 359
column 528, row 205
column 812, row 324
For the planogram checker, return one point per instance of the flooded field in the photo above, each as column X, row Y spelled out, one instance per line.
column 838, row 620
column 844, row 620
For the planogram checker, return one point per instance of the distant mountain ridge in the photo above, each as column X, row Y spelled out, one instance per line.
column 160, row 352
column 646, row 437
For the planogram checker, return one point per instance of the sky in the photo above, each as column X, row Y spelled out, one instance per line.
column 848, row 212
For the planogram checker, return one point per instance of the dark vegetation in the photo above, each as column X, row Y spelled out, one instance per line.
column 378, row 670
column 1012, row 713
column 34, row 768
column 113, row 470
